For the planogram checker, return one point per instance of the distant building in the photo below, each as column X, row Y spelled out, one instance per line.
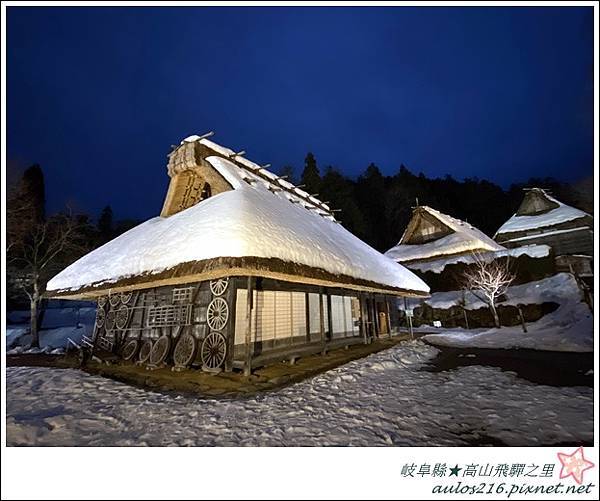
column 541, row 219
column 241, row 269
column 432, row 235
column 439, row 247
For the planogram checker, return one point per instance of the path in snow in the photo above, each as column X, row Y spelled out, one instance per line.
column 383, row 399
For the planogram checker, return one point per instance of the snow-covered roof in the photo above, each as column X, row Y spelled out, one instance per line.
column 561, row 214
column 463, row 238
column 285, row 232
column 438, row 265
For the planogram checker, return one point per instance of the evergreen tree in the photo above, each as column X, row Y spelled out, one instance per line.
column 311, row 177
column 34, row 191
column 105, row 224
column 371, row 194
column 340, row 192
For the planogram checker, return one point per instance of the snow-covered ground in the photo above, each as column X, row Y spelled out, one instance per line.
column 59, row 322
column 569, row 328
column 560, row 288
column 383, row 399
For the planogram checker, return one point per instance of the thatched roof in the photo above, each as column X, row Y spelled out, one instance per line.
column 262, row 226
column 431, row 234
column 540, row 210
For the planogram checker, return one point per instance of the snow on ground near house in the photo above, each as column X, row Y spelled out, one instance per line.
column 18, row 339
column 383, row 399
column 14, row 333
column 560, row 288
column 465, row 238
column 58, row 324
column 248, row 221
column 438, row 265
column 561, row 214
column 568, row 328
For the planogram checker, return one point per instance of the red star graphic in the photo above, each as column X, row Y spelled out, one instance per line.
column 574, row 464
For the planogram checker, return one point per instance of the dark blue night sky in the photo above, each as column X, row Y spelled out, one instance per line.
column 98, row 95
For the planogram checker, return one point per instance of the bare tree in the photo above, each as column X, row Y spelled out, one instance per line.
column 487, row 280
column 37, row 251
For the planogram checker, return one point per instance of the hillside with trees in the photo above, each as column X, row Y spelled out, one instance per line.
column 377, row 207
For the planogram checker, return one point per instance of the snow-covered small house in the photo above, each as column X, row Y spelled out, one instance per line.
column 432, row 236
column 438, row 247
column 542, row 219
column 240, row 269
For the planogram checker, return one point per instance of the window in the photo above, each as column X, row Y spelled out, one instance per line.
column 299, row 314
column 279, row 317
column 314, row 316
column 344, row 316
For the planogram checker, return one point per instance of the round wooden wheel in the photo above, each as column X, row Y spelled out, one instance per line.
column 185, row 350
column 218, row 287
column 100, row 316
column 121, row 317
column 114, row 300
column 130, row 349
column 110, row 320
column 126, row 297
column 214, row 349
column 145, row 350
column 217, row 314
column 102, row 301
column 160, row 350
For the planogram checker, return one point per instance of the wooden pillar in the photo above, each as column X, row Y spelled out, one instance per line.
column 329, row 318
column 363, row 324
column 375, row 316
column 248, row 364
column 307, row 316
column 322, row 326
column 389, row 320
column 232, row 301
column 522, row 318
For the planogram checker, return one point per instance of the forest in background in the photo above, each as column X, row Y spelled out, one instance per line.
column 373, row 206
column 377, row 208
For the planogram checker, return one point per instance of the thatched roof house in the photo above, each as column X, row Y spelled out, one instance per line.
column 431, row 235
column 438, row 247
column 541, row 218
column 229, row 221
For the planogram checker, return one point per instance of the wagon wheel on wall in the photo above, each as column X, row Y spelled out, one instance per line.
column 217, row 314
column 160, row 350
column 213, row 351
column 114, row 299
column 126, row 297
column 218, row 287
column 185, row 350
column 145, row 350
column 122, row 316
column 110, row 320
column 100, row 316
column 130, row 349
